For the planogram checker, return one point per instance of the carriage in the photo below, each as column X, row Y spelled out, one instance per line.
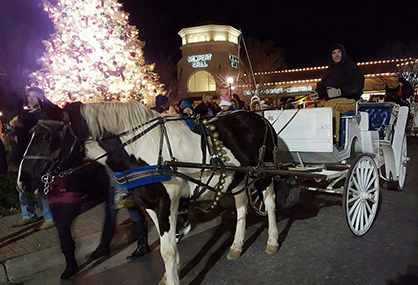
column 372, row 148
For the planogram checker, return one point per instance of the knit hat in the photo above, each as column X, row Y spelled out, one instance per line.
column 161, row 100
column 184, row 104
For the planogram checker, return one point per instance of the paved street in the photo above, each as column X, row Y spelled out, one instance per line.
column 316, row 248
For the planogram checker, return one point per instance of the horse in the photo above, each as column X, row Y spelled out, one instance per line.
column 73, row 195
column 119, row 135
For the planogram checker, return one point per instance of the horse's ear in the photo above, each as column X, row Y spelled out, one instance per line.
column 49, row 109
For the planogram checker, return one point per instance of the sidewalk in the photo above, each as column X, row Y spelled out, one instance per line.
column 25, row 252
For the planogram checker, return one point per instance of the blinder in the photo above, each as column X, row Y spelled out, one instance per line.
column 57, row 157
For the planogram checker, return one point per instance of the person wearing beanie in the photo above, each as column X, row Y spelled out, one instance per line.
column 161, row 104
column 341, row 85
column 186, row 108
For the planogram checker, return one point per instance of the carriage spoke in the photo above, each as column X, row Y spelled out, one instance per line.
column 356, row 183
column 369, row 174
column 361, row 214
column 356, row 216
column 354, row 207
column 356, row 197
column 371, row 182
column 355, row 191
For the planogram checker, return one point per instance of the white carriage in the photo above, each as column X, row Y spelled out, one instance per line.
column 372, row 146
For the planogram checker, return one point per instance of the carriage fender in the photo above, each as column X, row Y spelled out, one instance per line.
column 398, row 136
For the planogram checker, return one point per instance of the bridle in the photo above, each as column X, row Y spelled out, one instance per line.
column 55, row 167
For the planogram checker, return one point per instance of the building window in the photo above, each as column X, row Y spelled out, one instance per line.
column 201, row 81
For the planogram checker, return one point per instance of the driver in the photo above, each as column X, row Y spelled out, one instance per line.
column 341, row 85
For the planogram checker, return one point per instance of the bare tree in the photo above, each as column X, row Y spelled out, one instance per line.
column 261, row 57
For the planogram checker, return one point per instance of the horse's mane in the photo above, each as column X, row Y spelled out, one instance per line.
column 115, row 117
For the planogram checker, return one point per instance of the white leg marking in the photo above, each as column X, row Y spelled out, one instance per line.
column 241, row 202
column 273, row 233
column 168, row 247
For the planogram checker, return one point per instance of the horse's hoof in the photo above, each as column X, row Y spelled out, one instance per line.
column 69, row 272
column 270, row 249
column 233, row 254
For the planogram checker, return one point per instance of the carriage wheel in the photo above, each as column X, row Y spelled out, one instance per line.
column 398, row 185
column 361, row 195
column 257, row 205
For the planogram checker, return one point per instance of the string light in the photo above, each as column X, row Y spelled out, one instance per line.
column 404, row 60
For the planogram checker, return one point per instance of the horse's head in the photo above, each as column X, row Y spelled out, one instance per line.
column 54, row 146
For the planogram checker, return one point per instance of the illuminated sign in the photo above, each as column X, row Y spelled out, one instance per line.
column 199, row 61
column 234, row 60
column 295, row 89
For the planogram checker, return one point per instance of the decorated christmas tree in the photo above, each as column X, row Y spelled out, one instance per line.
column 94, row 55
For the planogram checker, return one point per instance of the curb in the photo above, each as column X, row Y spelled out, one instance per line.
column 24, row 267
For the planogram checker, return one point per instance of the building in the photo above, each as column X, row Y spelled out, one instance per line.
column 210, row 55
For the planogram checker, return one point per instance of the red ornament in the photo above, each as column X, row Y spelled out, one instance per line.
column 133, row 54
column 155, row 90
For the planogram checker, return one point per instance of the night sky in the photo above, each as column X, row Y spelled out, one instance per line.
column 304, row 29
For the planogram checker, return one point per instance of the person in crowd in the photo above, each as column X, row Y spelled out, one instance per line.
column 226, row 106
column 341, row 85
column 161, row 104
column 215, row 108
column 237, row 103
column 23, row 124
column 3, row 160
column 405, row 89
column 186, row 109
column 205, row 107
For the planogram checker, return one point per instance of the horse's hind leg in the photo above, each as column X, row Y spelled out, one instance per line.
column 273, row 233
column 241, row 202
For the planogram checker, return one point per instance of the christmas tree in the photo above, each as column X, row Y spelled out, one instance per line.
column 94, row 55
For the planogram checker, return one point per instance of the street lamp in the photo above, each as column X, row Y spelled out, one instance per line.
column 230, row 80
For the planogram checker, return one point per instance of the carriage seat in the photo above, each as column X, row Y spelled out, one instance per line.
column 343, row 128
column 379, row 116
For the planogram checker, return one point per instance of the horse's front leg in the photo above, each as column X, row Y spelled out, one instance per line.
column 168, row 248
column 241, row 202
column 273, row 233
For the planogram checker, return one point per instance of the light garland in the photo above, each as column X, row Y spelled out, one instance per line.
column 94, row 55
column 403, row 60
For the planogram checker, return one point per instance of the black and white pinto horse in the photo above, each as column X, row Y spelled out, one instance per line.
column 70, row 195
column 98, row 125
